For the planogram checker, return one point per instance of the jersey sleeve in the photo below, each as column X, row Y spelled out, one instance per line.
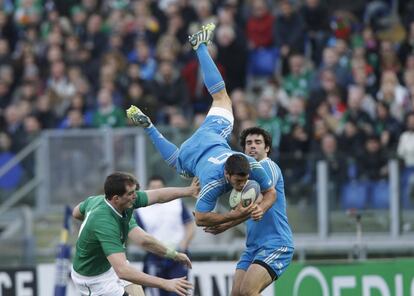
column 108, row 234
column 258, row 174
column 271, row 170
column 209, row 194
column 141, row 200
column 83, row 206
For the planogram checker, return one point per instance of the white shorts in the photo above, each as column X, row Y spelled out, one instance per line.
column 105, row 284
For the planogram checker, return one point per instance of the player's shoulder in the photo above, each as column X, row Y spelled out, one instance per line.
column 269, row 162
column 213, row 183
column 97, row 208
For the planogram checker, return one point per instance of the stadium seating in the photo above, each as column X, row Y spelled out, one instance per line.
column 263, row 61
column 380, row 195
column 354, row 194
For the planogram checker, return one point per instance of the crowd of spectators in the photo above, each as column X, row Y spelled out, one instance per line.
column 331, row 79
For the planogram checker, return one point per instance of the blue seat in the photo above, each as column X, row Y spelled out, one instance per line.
column 354, row 195
column 263, row 61
column 380, row 195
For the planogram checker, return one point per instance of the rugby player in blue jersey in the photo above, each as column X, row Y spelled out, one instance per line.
column 207, row 154
column 269, row 243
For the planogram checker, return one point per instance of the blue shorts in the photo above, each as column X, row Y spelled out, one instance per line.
column 214, row 132
column 274, row 258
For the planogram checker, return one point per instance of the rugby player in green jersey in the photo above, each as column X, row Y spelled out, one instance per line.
column 100, row 266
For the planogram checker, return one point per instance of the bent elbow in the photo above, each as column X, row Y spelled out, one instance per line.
column 200, row 219
column 199, row 222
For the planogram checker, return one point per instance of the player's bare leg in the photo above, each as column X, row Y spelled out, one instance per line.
column 256, row 279
column 211, row 75
column 238, row 278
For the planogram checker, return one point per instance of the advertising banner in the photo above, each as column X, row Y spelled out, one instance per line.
column 209, row 279
column 18, row 282
column 371, row 278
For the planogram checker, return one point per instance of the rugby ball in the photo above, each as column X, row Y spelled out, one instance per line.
column 249, row 194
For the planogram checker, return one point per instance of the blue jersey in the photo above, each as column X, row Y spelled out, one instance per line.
column 204, row 155
column 273, row 228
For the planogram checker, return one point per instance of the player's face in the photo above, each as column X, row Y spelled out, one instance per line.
column 126, row 200
column 237, row 182
column 255, row 147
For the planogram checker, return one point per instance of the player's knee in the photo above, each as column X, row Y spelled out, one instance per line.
column 235, row 291
column 221, row 96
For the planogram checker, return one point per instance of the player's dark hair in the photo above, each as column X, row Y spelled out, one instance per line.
column 115, row 184
column 156, row 178
column 237, row 164
column 256, row 131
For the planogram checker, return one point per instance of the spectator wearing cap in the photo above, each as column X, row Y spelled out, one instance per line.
column 79, row 18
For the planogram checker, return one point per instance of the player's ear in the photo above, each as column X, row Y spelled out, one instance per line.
column 227, row 175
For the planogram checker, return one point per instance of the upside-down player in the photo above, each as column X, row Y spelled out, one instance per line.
column 207, row 154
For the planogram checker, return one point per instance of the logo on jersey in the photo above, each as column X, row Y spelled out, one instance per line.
column 220, row 159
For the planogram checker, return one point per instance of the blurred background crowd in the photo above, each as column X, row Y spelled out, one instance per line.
column 330, row 80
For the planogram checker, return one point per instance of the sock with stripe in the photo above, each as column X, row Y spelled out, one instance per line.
column 212, row 77
column 168, row 150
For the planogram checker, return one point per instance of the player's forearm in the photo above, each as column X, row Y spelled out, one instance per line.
column 213, row 219
column 269, row 198
column 152, row 245
column 170, row 193
column 235, row 222
column 132, row 275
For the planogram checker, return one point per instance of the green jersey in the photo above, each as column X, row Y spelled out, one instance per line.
column 104, row 231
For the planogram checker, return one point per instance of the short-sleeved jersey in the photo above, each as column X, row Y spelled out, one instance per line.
column 104, row 231
column 204, row 155
column 273, row 228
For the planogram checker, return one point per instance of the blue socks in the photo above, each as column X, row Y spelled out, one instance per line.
column 168, row 150
column 212, row 77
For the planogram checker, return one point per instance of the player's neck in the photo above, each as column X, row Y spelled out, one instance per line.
column 116, row 207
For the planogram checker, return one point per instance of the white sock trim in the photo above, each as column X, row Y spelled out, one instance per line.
column 219, row 111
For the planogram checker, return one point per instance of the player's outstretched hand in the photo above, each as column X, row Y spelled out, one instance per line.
column 183, row 259
column 257, row 213
column 195, row 187
column 179, row 286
